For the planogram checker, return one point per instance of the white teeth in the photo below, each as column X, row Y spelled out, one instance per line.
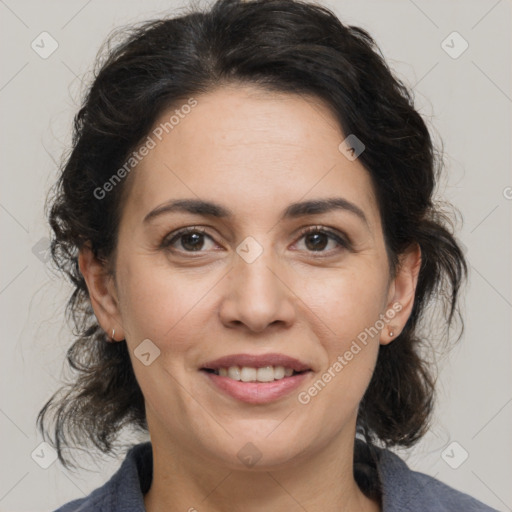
column 265, row 374
column 234, row 372
column 248, row 374
column 279, row 372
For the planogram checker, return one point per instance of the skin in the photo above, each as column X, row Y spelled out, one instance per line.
column 253, row 152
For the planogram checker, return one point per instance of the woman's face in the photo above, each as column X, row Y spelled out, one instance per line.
column 251, row 282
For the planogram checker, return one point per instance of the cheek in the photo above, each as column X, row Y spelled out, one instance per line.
column 347, row 302
column 158, row 302
column 344, row 310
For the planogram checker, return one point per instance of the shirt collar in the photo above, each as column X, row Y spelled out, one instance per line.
column 379, row 472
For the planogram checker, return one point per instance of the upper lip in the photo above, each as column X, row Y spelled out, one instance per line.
column 256, row 361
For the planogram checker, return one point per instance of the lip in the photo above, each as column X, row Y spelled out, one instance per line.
column 256, row 361
column 257, row 392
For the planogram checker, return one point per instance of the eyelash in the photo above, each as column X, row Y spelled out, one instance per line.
column 341, row 240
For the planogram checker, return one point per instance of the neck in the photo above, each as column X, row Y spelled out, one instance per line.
column 323, row 482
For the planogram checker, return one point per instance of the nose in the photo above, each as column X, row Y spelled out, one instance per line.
column 257, row 296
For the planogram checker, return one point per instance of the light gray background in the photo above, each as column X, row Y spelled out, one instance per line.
column 467, row 101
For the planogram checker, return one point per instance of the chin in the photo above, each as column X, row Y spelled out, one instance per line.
column 261, row 451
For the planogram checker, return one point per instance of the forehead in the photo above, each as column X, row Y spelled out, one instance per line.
column 252, row 150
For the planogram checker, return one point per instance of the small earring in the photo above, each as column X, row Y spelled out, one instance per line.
column 113, row 333
column 391, row 333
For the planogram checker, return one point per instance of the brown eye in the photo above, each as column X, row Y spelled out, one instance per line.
column 192, row 241
column 317, row 239
column 186, row 240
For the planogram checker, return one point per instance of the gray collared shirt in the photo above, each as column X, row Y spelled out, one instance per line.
column 400, row 488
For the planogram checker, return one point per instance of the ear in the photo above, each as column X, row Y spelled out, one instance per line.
column 102, row 292
column 401, row 293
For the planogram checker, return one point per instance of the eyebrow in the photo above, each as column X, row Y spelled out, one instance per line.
column 294, row 210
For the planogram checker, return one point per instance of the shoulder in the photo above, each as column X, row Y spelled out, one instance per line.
column 404, row 489
column 125, row 490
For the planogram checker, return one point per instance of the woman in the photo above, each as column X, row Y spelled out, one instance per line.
column 247, row 218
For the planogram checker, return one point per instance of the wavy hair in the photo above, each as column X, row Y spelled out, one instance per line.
column 289, row 46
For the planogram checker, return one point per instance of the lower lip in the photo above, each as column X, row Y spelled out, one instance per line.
column 257, row 392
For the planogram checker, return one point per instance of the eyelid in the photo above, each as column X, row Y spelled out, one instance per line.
column 170, row 237
column 343, row 242
column 334, row 234
column 339, row 237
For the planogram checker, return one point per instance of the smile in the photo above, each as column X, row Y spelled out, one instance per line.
column 250, row 374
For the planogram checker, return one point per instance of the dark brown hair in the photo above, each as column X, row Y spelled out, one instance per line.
column 289, row 46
